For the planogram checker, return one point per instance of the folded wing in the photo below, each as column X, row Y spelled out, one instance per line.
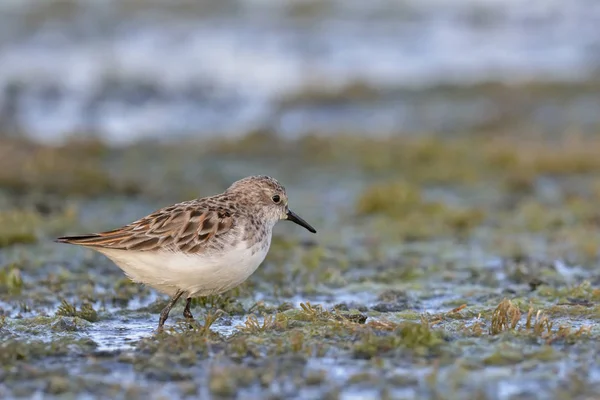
column 185, row 227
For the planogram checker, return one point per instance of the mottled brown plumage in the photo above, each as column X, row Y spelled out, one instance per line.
column 192, row 226
column 189, row 227
column 198, row 247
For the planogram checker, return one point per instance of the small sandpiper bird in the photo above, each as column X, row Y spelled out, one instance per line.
column 198, row 247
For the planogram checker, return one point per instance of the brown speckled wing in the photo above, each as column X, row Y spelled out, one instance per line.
column 186, row 227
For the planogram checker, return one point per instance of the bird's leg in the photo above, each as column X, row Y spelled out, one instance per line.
column 164, row 314
column 186, row 312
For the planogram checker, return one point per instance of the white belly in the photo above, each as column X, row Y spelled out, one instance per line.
column 196, row 274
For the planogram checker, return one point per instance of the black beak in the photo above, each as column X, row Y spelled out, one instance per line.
column 292, row 216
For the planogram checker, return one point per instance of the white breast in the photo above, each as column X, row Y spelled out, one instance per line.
column 196, row 274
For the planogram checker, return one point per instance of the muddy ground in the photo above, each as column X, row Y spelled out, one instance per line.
column 460, row 267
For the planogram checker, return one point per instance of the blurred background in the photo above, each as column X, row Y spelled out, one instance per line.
column 128, row 70
column 446, row 151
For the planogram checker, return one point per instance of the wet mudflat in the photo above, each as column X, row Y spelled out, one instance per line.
column 462, row 267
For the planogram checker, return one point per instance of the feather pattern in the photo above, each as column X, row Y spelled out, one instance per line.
column 186, row 227
column 202, row 246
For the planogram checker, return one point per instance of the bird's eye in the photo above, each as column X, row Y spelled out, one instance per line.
column 276, row 199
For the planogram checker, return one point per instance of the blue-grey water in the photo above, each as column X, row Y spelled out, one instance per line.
column 129, row 69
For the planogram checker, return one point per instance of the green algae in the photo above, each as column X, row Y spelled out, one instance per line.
column 11, row 279
column 75, row 168
column 86, row 311
column 24, row 226
column 17, row 228
column 396, row 199
column 40, row 325
column 70, row 324
column 497, row 275
column 13, row 350
column 420, row 218
column 418, row 337
column 226, row 302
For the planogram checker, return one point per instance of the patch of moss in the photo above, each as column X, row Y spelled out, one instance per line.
column 74, row 168
column 125, row 290
column 177, row 341
column 11, row 280
column 86, row 311
column 222, row 383
column 226, row 302
column 14, row 350
column 409, row 315
column 23, row 226
column 416, row 217
column 70, row 324
column 18, row 227
column 253, row 326
column 505, row 317
column 256, row 143
column 57, row 385
column 575, row 311
column 504, row 357
column 356, row 91
column 418, row 337
column 511, row 355
column 395, row 199
column 366, row 378
column 581, row 293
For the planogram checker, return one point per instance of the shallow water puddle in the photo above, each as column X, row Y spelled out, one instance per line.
column 118, row 335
